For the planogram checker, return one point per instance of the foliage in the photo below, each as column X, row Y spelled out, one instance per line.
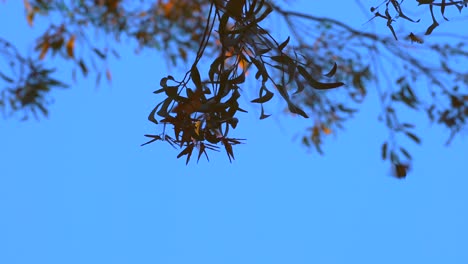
column 320, row 55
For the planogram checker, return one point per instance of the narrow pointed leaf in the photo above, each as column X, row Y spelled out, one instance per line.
column 284, row 44
column 413, row 137
column 332, row 71
column 316, row 84
column 195, row 75
column 384, row 150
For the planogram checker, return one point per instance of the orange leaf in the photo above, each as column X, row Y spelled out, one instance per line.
column 167, row 7
column 27, row 6
column 71, row 46
column 108, row 75
column 197, row 127
column 44, row 49
column 326, row 130
column 30, row 18
column 315, row 132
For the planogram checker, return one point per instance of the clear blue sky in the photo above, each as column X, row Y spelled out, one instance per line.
column 78, row 189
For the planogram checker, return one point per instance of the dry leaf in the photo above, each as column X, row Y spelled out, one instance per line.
column 71, row 46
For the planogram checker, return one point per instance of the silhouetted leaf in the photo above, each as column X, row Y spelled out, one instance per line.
column 332, row 71
column 389, row 25
column 239, row 79
column 283, row 45
column 384, row 150
column 405, row 153
column 415, row 38
column 261, row 69
column 263, row 98
column 228, row 148
column 442, row 9
column 187, row 151
column 262, row 113
column 84, row 69
column 294, row 109
column 316, row 84
column 154, row 138
column 6, row 78
column 195, row 75
column 202, row 150
column 283, row 59
column 413, row 137
column 163, row 112
column 99, row 53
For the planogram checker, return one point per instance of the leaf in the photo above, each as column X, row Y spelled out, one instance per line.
column 415, row 38
column 413, row 137
column 195, row 75
column 30, row 17
column 71, row 46
column 283, row 59
column 300, row 86
column 393, row 30
column 296, row 110
column 263, row 98
column 268, row 10
column 153, row 112
column 228, row 148
column 202, row 150
column 44, row 49
column 234, row 8
column 442, row 9
column 239, row 79
column 223, row 24
column 197, row 127
column 393, row 157
column 98, row 78
column 233, row 122
column 400, row 170
column 405, row 153
column 84, row 69
column 332, row 71
column 163, row 82
column 326, row 130
column 214, row 67
column 316, row 84
column 108, row 75
column 5, row 78
column 99, row 53
column 183, row 53
column 260, row 52
column 154, row 138
column 262, row 114
column 284, row 44
column 163, row 111
column 261, row 69
column 43, row 109
column 187, row 151
column 384, row 150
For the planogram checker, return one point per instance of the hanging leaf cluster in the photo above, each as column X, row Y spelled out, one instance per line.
column 397, row 12
column 203, row 117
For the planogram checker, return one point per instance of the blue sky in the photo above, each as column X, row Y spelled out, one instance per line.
column 77, row 187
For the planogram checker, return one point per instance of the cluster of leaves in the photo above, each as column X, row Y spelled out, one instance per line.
column 172, row 26
column 201, row 108
column 398, row 12
column 201, row 121
column 27, row 85
column 363, row 58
